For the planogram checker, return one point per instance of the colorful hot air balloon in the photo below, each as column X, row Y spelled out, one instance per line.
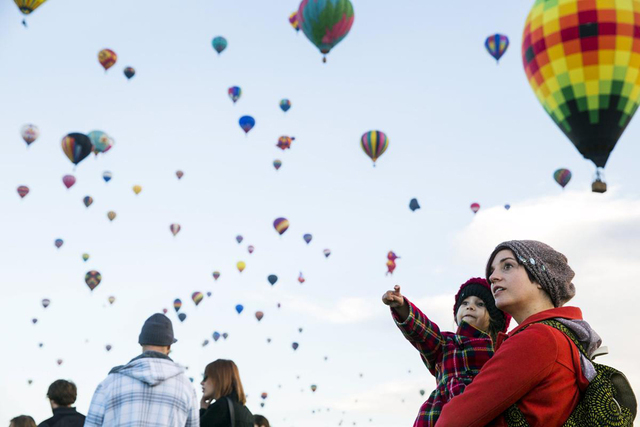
column 284, row 142
column 497, row 45
column 259, row 315
column 216, row 275
column 182, row 317
column 295, row 346
column 68, row 181
column 76, row 146
column 562, row 177
column 177, row 304
column 58, row 243
column 314, row 388
column 129, row 72
column 301, row 278
column 30, row 133
column 293, row 20
column 281, row 225
column 88, row 200
column 46, row 302
column 107, row 58
column 23, row 190
column 263, row 396
column 219, row 44
column 111, row 299
column 285, row 104
column 197, row 297
column 307, row 238
column 475, row 207
column 239, row 308
column 93, row 279
column 414, row 205
column 85, row 257
column 175, row 228
column 251, row 249
column 272, row 279
column 277, row 164
column 241, row 266
column 234, row 93
column 179, row 174
column 28, row 6
column 101, row 141
column 325, row 22
column 247, row 123
column 374, row 143
column 107, row 176
column 216, row 336
column 581, row 62
column 111, row 215
column 327, row 252
column 137, row 189
column 239, row 238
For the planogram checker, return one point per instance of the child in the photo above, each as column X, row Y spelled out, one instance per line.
column 454, row 359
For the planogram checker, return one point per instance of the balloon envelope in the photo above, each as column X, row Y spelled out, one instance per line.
column 58, row 243
column 497, row 45
column 475, row 207
column 111, row 215
column 88, row 200
column 197, row 297
column 219, row 44
column 562, row 177
column 293, row 20
column 129, row 72
column 93, row 279
column 239, row 239
column 241, row 266
column 68, row 181
column 175, row 228
column 216, row 275
column 295, row 345
column 327, row 252
column 281, row 225
column 285, row 105
column 137, row 189
column 277, row 164
column 46, row 302
column 307, row 238
column 414, row 205
column 272, row 279
column 30, row 133
column 259, row 315
column 325, row 22
column 111, row 299
column 177, row 304
column 374, row 143
column 239, row 308
column 107, row 176
column 301, row 278
column 182, row 316
column 179, row 174
column 77, row 147
column 234, row 93
column 247, row 123
column 107, row 58
column 85, row 257
column 216, row 336
column 23, row 190
column 28, row 6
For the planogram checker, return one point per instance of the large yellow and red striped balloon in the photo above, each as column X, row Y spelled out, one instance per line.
column 374, row 143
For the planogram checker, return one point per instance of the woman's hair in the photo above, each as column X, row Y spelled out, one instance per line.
column 518, row 260
column 23, row 421
column 226, row 379
column 260, row 421
column 62, row 392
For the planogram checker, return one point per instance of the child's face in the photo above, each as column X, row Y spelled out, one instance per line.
column 474, row 311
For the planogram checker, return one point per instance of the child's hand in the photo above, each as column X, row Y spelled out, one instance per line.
column 394, row 298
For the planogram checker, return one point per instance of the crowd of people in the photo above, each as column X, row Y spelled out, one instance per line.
column 153, row 390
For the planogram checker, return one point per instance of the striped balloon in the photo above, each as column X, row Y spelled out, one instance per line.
column 562, row 177
column 277, row 164
column 77, row 147
column 23, row 190
column 93, row 279
column 281, row 225
column 197, row 297
column 374, row 143
column 497, row 45
column 293, row 20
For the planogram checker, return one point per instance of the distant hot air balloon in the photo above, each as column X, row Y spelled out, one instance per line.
column 251, row 249
column 107, row 58
column 30, row 133
column 28, row 6
column 293, row 20
column 300, row 330
column 179, row 174
column 225, row 335
column 295, row 346
column 497, row 45
column 34, row 320
column 277, row 164
column 111, row 299
column 23, row 190
column 391, row 266
column 241, row 266
column 301, row 278
column 374, row 143
column 101, row 141
column 507, row 206
column 182, row 317
column 259, row 315
column 327, row 252
column 414, row 205
column 68, row 181
column 93, row 279
column 88, row 200
column 325, row 22
column 58, row 243
column 219, row 44
column 216, row 275
column 562, row 177
column 307, row 238
column 263, row 396
column 234, row 93
column 281, row 225
column 272, row 279
column 422, row 392
column 314, row 388
column 475, row 207
column 239, row 308
column 165, row 311
column 129, row 72
column 174, row 228
column 247, row 123
column 137, row 189
column 197, row 297
column 111, row 215
column 77, row 147
column 209, row 294
column 216, row 336
column 239, row 238
column 107, row 176
column 205, row 342
column 46, row 302
column 284, row 142
column 59, row 362
column 108, row 347
column 285, row 104
column 177, row 304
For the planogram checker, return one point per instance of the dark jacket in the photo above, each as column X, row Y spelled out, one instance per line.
column 64, row 417
column 217, row 414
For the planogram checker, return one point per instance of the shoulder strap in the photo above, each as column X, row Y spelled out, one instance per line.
column 231, row 412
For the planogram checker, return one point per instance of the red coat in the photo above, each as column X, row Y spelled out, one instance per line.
column 539, row 369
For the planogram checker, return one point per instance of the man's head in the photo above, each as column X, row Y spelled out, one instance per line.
column 62, row 393
column 157, row 334
column 22, row 421
column 260, row 421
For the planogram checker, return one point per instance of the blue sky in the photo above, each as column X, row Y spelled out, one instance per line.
column 462, row 129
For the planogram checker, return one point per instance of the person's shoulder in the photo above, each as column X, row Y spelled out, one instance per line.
column 538, row 336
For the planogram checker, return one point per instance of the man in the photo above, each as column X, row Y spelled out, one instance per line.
column 151, row 390
column 62, row 394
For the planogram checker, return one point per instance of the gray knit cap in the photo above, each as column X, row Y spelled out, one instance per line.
column 547, row 266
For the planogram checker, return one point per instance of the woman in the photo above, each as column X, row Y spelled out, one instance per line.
column 22, row 421
column 222, row 384
column 538, row 368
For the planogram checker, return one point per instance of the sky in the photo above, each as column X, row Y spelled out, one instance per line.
column 462, row 129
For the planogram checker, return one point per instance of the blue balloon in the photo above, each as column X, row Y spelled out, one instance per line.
column 247, row 123
column 239, row 308
column 107, row 176
column 182, row 316
column 507, row 206
column 216, row 336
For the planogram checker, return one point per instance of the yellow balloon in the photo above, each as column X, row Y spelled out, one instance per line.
column 241, row 266
column 111, row 215
column 28, row 6
column 137, row 189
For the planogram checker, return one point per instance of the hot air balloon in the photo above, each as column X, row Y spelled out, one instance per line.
column 307, row 238
column 28, row 6
column 284, row 142
column 59, row 362
column 507, row 206
column 586, row 81
column 111, row 215
column 239, row 308
column 241, row 266
column 88, row 200
column 234, row 93
column 251, row 249
column 182, row 317
column 225, row 335
column 325, row 22
column 58, row 243
column 107, row 58
column 300, row 330
column 497, row 45
column 129, row 72
column 562, row 177
column 164, row 310
column 374, row 143
column 68, row 181
column 205, row 342
column 111, row 299
column 475, row 207
column 175, row 228
column 23, row 190
column 281, row 225
column 421, row 392
column 272, row 279
column 179, row 174
column 101, row 141
column 137, row 189
column 208, row 294
column 264, row 396
column 293, row 20
column 85, row 257
column 108, row 347
column 327, row 252
column 414, row 205
column 77, row 147
column 46, row 302
column 34, row 320
column 239, row 238
column 277, row 164
column 216, row 336
column 177, row 304
column 295, row 346
column 391, row 266
column 219, row 44
column 93, row 279
column 314, row 388
column 247, row 123
column 216, row 275
column 285, row 104
column 197, row 297
column 30, row 133
column 301, row 278
column 107, row 176
column 259, row 315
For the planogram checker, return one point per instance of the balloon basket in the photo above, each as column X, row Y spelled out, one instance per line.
column 599, row 186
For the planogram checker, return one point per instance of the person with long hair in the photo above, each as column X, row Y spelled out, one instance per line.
column 223, row 400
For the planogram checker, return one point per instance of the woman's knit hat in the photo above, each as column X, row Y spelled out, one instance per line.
column 480, row 288
column 548, row 267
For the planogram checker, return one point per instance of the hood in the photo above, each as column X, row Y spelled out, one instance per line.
column 590, row 341
column 150, row 369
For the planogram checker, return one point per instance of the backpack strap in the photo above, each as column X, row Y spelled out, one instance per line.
column 232, row 413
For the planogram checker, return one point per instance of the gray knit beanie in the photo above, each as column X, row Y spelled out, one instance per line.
column 547, row 266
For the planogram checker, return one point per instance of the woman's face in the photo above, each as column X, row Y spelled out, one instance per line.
column 473, row 311
column 207, row 388
column 510, row 283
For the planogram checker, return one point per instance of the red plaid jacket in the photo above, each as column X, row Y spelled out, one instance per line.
column 454, row 359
